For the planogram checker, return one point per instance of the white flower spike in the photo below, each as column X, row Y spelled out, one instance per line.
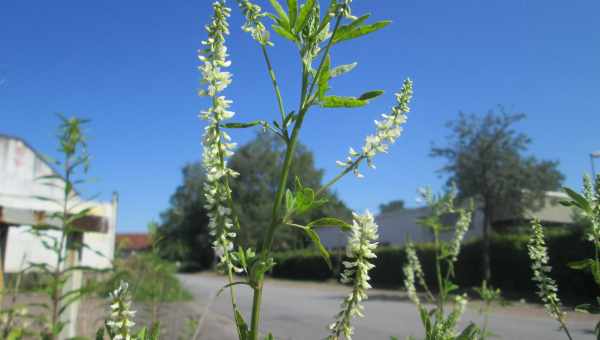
column 361, row 251
column 387, row 132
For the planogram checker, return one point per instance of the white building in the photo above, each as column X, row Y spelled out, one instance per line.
column 20, row 167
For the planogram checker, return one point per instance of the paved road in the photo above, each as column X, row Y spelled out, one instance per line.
column 294, row 310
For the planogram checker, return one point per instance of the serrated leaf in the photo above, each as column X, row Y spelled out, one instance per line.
column 371, row 94
column 283, row 32
column 283, row 18
column 339, row 70
column 339, row 101
column 360, row 31
column 317, row 242
column 303, row 18
column 330, row 222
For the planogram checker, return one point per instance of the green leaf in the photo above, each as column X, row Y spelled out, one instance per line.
column 243, row 125
column 241, row 324
column 578, row 200
column 359, row 31
column 339, row 70
column 339, row 101
column 304, row 200
column 283, row 32
column 324, row 78
column 303, row 18
column 371, row 94
column 581, row 265
column 289, row 201
column 330, row 222
column 292, row 11
column 469, row 333
column 317, row 242
column 283, row 18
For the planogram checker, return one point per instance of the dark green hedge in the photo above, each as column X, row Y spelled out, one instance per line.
column 510, row 265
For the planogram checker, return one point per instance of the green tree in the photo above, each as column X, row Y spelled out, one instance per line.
column 183, row 231
column 390, row 206
column 485, row 159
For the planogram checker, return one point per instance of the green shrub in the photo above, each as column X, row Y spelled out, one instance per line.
column 511, row 268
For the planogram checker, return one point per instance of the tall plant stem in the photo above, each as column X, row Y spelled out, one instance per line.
column 267, row 244
column 275, row 84
column 438, row 271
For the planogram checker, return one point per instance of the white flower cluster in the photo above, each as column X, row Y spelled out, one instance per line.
column 217, row 146
column 413, row 270
column 121, row 316
column 547, row 288
column 591, row 192
column 462, row 226
column 253, row 24
column 360, row 250
column 388, row 130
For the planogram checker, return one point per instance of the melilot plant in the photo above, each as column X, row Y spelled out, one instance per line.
column 437, row 323
column 588, row 204
column 314, row 32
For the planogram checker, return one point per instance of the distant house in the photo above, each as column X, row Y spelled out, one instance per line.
column 128, row 244
column 396, row 227
column 20, row 167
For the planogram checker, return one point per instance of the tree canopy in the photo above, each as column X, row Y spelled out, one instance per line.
column 390, row 206
column 486, row 160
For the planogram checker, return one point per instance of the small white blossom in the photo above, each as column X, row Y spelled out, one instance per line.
column 360, row 251
column 253, row 24
column 217, row 146
column 121, row 316
column 387, row 132
column 547, row 288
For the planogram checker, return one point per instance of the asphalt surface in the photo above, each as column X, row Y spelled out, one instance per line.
column 298, row 310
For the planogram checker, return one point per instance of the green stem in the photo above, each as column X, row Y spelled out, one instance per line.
column 267, row 244
column 438, row 271
column 339, row 176
column 275, row 84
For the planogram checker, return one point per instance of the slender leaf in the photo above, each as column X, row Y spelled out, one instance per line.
column 283, row 32
column 317, row 242
column 339, row 101
column 243, row 125
column 303, row 18
column 292, row 11
column 371, row 94
column 283, row 18
column 360, row 31
column 330, row 222
column 339, row 70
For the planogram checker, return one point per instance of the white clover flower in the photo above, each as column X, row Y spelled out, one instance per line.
column 360, row 250
column 217, row 145
column 121, row 316
column 462, row 226
column 547, row 288
column 253, row 24
column 387, row 132
column 412, row 270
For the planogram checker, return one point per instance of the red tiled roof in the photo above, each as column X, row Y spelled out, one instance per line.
column 133, row 241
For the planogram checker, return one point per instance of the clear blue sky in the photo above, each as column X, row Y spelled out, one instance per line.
column 130, row 66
